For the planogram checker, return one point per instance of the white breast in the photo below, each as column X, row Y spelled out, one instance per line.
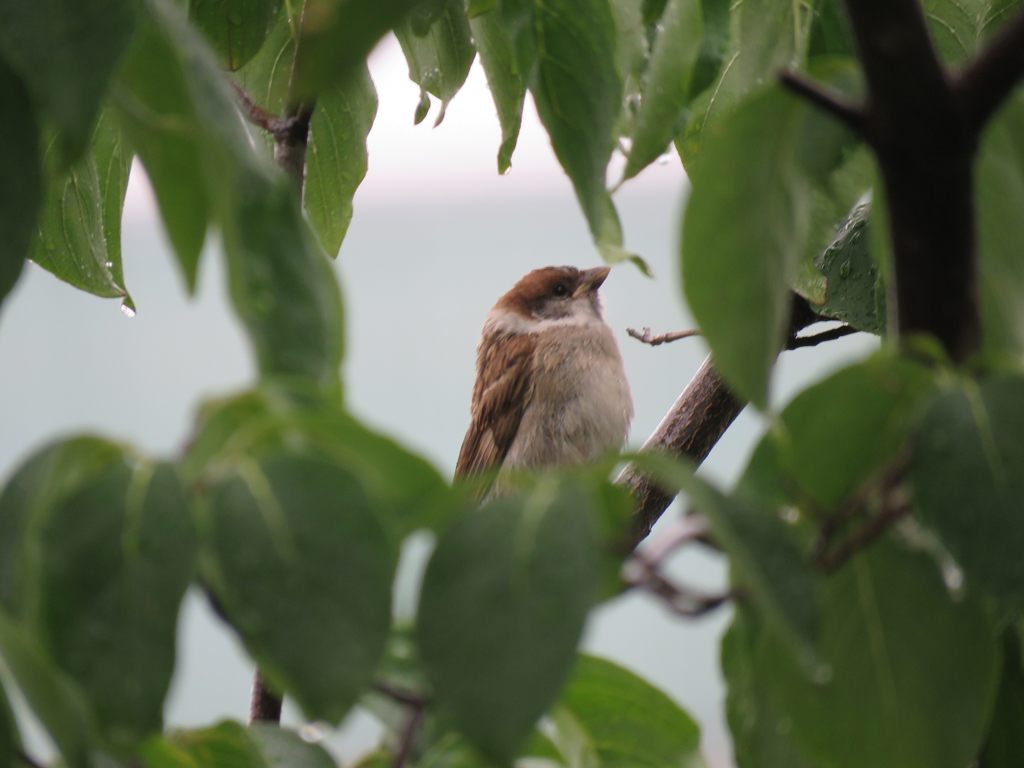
column 581, row 406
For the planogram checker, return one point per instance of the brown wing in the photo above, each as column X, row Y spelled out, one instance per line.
column 504, row 377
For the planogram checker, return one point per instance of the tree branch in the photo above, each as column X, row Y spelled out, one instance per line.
column 692, row 426
column 800, row 342
column 993, row 74
column 847, row 113
column 925, row 146
column 264, row 704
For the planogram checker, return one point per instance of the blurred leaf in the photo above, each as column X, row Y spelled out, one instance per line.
column 967, row 483
column 628, row 721
column 97, row 552
column 154, row 108
column 20, row 159
column 337, row 36
column 714, row 46
column 1004, row 743
column 10, row 741
column 440, row 56
column 235, row 28
column 82, row 215
column 310, row 592
column 761, row 737
column 854, row 290
column 761, row 36
column 666, row 84
column 835, row 434
column 230, row 745
column 999, row 198
column 244, row 425
column 504, row 37
column 632, row 52
column 66, row 51
column 579, row 95
column 336, row 157
column 894, row 695
column 55, row 700
column 742, row 241
column 830, row 30
column 503, row 603
column 955, row 26
column 281, row 284
column 282, row 748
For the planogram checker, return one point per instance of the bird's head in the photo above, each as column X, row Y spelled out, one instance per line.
column 556, row 293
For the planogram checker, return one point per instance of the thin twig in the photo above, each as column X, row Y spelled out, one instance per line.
column 690, row 528
column 799, row 342
column 889, row 490
column 412, row 725
column 681, row 601
column 664, row 338
column 836, row 105
column 830, row 562
column 254, row 113
column 264, row 703
column 407, row 698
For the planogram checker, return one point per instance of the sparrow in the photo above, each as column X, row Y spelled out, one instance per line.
column 550, row 387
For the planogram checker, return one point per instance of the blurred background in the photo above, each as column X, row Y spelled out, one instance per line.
column 436, row 237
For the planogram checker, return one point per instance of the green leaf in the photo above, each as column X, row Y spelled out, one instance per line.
column 310, row 592
column 967, row 485
column 53, row 697
column 896, row 694
column 955, row 26
column 830, row 31
column 413, row 492
column 154, row 109
column 79, row 230
column 336, row 157
column 714, row 46
column 762, row 38
column 10, row 741
column 1005, row 741
column 19, row 157
column 235, row 28
column 578, row 94
column 628, row 722
column 439, row 56
column 97, row 552
column 230, row 745
column 768, row 563
column 999, row 196
column 854, row 289
column 282, row 748
column 760, row 735
column 282, row 285
column 666, row 84
column 836, row 434
column 337, row 36
column 742, row 241
column 66, row 51
column 504, row 37
column 504, row 599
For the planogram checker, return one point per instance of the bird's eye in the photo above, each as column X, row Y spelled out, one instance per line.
column 560, row 290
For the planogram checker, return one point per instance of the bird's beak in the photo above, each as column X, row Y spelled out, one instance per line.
column 590, row 280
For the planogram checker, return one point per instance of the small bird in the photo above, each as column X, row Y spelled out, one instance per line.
column 550, row 388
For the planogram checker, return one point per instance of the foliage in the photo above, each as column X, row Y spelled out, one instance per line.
column 291, row 514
